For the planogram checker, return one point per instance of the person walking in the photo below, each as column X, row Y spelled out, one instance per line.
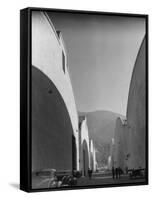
column 113, row 172
column 116, row 172
column 90, row 173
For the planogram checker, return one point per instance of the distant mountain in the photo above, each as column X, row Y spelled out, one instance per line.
column 101, row 125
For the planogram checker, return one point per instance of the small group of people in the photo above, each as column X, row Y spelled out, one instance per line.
column 116, row 172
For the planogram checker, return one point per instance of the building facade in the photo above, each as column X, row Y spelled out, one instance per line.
column 54, row 116
column 121, row 144
column 130, row 134
column 136, row 111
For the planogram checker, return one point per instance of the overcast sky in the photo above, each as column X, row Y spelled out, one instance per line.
column 101, row 54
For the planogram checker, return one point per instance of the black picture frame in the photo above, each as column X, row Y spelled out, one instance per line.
column 26, row 93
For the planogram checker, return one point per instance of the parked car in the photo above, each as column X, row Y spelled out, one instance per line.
column 45, row 178
column 50, row 178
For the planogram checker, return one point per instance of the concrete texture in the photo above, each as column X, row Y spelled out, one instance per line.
column 129, row 140
column 136, row 115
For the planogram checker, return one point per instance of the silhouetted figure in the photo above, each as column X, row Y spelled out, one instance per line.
column 121, row 171
column 116, row 172
column 90, row 173
column 113, row 172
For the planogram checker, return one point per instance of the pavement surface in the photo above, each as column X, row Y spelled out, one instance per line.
column 97, row 179
column 107, row 179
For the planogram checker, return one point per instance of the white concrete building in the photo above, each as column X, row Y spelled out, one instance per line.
column 93, row 162
column 130, row 134
column 112, row 154
column 136, row 111
column 54, row 116
column 84, row 148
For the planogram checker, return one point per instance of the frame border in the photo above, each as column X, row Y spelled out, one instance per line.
column 26, row 98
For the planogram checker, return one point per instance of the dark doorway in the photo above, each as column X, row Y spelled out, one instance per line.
column 84, row 167
column 74, row 154
column 85, row 158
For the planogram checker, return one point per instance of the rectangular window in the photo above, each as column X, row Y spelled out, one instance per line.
column 63, row 61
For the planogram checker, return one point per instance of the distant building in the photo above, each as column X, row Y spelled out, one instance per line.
column 54, row 116
column 111, row 154
column 93, row 162
column 84, row 148
column 121, row 143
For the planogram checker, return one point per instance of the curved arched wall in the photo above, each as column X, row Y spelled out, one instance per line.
column 84, row 146
column 136, row 111
column 50, row 60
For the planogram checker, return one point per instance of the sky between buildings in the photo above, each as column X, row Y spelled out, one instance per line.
column 101, row 54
